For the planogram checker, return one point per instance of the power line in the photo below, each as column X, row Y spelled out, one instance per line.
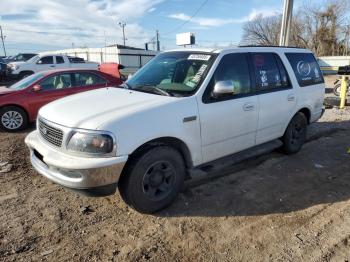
column 188, row 20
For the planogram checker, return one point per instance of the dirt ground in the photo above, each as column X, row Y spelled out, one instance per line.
column 284, row 208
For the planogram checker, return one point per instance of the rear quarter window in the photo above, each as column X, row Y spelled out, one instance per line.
column 306, row 68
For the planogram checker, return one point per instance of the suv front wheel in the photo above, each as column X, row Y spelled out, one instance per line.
column 152, row 180
column 295, row 135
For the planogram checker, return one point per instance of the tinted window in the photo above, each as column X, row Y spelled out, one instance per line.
column 233, row 68
column 88, row 79
column 269, row 72
column 76, row 59
column 59, row 60
column 306, row 68
column 46, row 60
column 56, row 82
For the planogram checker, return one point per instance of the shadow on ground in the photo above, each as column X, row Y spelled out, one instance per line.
column 318, row 174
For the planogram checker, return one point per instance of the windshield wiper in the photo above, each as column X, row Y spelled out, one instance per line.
column 125, row 85
column 153, row 89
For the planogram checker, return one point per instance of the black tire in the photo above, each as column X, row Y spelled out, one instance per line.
column 152, row 180
column 25, row 74
column 13, row 119
column 336, row 89
column 295, row 135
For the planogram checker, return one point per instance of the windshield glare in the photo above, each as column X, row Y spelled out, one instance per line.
column 24, row 83
column 179, row 73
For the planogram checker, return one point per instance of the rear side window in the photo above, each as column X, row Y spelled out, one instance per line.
column 306, row 68
column 88, row 79
column 59, row 60
column 46, row 60
column 270, row 73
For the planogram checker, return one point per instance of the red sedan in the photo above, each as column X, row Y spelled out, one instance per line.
column 20, row 103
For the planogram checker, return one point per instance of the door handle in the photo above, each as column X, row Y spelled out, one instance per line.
column 248, row 107
column 52, row 66
column 291, row 97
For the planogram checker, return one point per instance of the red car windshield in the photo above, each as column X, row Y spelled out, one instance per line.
column 24, row 83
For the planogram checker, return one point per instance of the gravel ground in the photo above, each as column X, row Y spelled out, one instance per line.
column 283, row 208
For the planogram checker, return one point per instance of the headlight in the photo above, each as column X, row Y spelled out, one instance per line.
column 91, row 143
column 14, row 67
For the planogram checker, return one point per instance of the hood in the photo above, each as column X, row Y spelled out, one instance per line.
column 91, row 109
column 5, row 91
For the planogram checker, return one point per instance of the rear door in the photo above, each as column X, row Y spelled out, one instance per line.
column 45, row 63
column 52, row 88
column 60, row 63
column 276, row 96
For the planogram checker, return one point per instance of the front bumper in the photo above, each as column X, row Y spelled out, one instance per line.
column 88, row 175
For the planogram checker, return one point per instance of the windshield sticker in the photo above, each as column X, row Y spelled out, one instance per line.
column 304, row 68
column 263, row 78
column 317, row 74
column 199, row 57
column 259, row 60
column 199, row 74
column 197, row 78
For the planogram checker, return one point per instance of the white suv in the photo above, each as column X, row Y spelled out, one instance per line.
column 181, row 110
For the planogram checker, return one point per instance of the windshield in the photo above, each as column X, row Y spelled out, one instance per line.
column 24, row 83
column 18, row 57
column 172, row 73
column 33, row 59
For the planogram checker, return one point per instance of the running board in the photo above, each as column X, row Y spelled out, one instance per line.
column 229, row 162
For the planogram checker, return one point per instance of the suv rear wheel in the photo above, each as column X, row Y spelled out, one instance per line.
column 295, row 135
column 13, row 119
column 153, row 180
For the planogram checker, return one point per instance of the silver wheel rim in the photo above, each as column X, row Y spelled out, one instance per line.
column 12, row 120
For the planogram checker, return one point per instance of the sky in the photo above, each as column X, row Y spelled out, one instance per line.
column 44, row 25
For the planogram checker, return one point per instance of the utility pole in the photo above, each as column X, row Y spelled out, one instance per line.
column 122, row 25
column 286, row 22
column 3, row 40
column 157, row 39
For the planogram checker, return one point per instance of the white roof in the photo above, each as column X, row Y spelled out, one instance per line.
column 241, row 48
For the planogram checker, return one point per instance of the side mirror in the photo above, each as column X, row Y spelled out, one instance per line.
column 37, row 88
column 39, row 62
column 224, row 87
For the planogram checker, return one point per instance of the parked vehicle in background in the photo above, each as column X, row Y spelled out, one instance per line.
column 20, row 103
column 22, row 57
column 3, row 68
column 47, row 62
column 181, row 110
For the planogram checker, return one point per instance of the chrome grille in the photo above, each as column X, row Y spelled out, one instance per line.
column 51, row 134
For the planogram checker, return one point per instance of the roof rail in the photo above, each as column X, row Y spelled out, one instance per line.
column 271, row 46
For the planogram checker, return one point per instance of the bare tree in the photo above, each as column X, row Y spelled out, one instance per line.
column 323, row 29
